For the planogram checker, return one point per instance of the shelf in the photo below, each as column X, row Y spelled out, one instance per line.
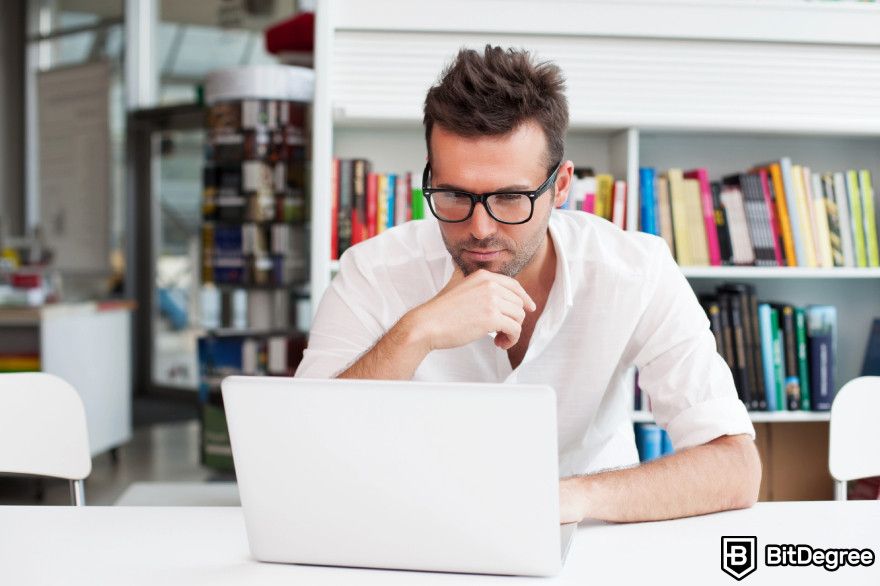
column 758, row 416
column 248, row 332
column 779, row 273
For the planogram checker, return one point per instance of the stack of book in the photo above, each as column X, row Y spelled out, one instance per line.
column 775, row 214
column 600, row 194
column 365, row 203
column 782, row 357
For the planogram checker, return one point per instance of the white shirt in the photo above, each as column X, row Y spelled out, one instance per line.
column 618, row 299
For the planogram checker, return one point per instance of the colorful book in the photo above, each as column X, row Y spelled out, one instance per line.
column 647, row 202
column 778, row 359
column 846, row 234
column 804, row 219
column 334, row 209
column 696, row 225
column 795, row 214
column 664, row 212
column 820, row 217
column 800, row 325
column 741, row 243
column 834, row 236
column 770, row 203
column 618, row 214
column 792, row 373
column 372, row 203
column 856, row 218
column 604, row 195
column 721, row 225
column 806, row 185
column 758, row 219
column 868, row 210
column 701, row 175
column 682, row 235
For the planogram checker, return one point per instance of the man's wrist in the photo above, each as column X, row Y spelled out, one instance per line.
column 413, row 333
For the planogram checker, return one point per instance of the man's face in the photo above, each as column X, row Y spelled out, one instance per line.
column 515, row 161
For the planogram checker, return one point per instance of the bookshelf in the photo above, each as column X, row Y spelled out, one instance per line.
column 758, row 416
column 719, row 84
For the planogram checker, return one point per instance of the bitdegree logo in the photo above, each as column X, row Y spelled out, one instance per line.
column 804, row 555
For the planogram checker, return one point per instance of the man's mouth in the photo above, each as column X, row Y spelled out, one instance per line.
column 483, row 254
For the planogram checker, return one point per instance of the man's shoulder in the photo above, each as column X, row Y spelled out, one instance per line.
column 592, row 241
column 415, row 241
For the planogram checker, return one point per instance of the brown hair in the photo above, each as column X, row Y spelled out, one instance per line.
column 493, row 93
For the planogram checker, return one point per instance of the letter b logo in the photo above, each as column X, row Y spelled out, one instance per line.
column 738, row 556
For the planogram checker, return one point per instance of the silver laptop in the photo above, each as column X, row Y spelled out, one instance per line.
column 450, row 477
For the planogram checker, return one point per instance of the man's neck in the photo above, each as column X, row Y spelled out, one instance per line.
column 537, row 278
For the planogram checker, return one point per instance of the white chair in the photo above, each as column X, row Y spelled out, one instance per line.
column 853, row 452
column 43, row 430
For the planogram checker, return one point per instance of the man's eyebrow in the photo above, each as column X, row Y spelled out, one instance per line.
column 516, row 187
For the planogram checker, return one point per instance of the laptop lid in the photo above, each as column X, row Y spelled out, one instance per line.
column 453, row 477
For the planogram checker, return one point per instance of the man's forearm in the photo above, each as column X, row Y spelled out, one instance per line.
column 396, row 355
column 722, row 474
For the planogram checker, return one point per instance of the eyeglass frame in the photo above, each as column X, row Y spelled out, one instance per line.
column 482, row 198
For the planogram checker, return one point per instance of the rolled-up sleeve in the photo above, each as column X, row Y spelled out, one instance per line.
column 346, row 323
column 689, row 384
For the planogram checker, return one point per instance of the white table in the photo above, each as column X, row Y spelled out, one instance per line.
column 186, row 545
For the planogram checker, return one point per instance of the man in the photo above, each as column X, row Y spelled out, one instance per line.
column 505, row 288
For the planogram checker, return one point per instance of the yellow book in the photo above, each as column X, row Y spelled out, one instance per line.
column 381, row 203
column 782, row 210
column 804, row 217
column 820, row 216
column 679, row 218
column 604, row 193
column 870, row 220
column 696, row 225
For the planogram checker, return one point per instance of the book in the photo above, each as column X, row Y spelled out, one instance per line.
column 344, row 210
column 804, row 184
column 649, row 441
column 871, row 361
column 815, row 192
column 792, row 374
column 740, row 370
column 778, row 359
column 372, row 203
column 856, row 218
column 360, row 168
column 647, row 201
column 822, row 342
column 664, row 212
column 834, row 236
column 846, row 235
column 868, row 211
column 701, row 176
column 800, row 324
column 391, row 195
column 734, row 206
column 774, row 171
column 604, row 194
column 381, row 203
column 713, row 310
column 804, row 218
column 758, row 219
column 752, row 359
column 334, row 210
column 721, row 225
column 766, row 329
column 418, row 204
column 796, row 212
column 682, row 235
column 618, row 213
column 770, row 203
column 696, row 222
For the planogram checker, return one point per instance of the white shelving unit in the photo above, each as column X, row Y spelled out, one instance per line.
column 723, row 84
column 757, row 416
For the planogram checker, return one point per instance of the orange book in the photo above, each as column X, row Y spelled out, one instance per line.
column 775, row 173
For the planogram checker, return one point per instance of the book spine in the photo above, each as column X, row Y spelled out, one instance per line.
column 766, row 328
column 803, row 216
column 778, row 359
column 334, row 209
column 382, row 203
column 741, row 377
column 721, row 225
column 392, row 198
column 759, row 400
column 784, row 219
column 800, row 324
column 418, row 204
column 856, row 218
column 679, row 218
column 834, row 235
column 822, row 341
column 823, row 230
column 806, row 185
column 604, row 193
column 696, row 222
column 792, row 381
column 664, row 211
column 618, row 216
column 648, row 206
column 846, row 235
column 774, row 218
column 867, row 191
column 359, row 201
column 372, row 203
column 791, row 203
column 345, row 204
column 702, row 177
column 729, row 352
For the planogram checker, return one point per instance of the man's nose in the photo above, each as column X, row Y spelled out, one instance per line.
column 481, row 224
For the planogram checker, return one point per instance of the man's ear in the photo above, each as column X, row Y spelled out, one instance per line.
column 563, row 183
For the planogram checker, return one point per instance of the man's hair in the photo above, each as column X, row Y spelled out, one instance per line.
column 493, row 93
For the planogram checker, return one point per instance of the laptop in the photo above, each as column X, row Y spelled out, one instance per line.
column 450, row 477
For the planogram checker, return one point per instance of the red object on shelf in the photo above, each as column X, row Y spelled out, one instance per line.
column 294, row 34
column 26, row 280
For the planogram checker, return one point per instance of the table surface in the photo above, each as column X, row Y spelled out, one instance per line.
column 208, row 545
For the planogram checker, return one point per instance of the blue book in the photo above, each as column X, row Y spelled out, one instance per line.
column 392, row 191
column 765, row 325
column 648, row 201
column 649, row 441
column 665, row 443
column 822, row 342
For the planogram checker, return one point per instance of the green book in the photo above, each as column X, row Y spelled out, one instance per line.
column 800, row 324
column 856, row 218
column 418, row 204
column 870, row 220
column 778, row 363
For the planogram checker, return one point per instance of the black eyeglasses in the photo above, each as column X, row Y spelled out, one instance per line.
column 507, row 207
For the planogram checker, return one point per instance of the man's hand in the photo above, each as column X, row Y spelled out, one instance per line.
column 468, row 308
column 571, row 500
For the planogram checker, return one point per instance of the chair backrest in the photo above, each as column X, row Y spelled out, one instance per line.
column 42, row 427
column 853, row 450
